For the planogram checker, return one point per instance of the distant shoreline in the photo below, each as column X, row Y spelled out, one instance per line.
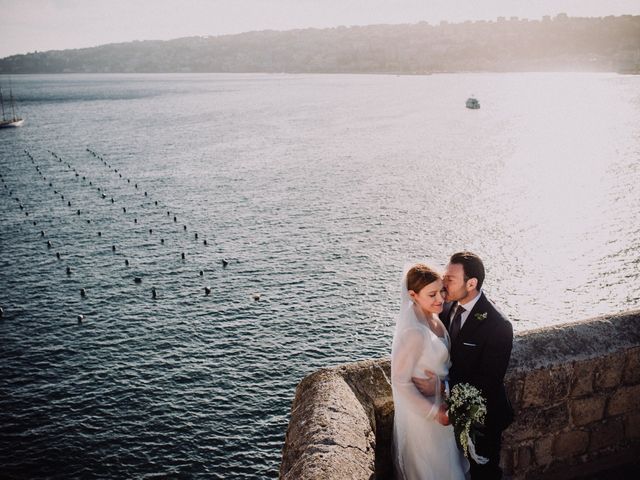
column 399, row 74
column 561, row 43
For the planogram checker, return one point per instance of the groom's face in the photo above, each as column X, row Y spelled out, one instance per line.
column 454, row 282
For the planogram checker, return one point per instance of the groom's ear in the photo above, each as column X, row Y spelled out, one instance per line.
column 472, row 283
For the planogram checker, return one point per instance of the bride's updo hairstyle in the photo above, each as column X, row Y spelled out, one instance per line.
column 419, row 276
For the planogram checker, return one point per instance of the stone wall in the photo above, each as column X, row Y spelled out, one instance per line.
column 575, row 389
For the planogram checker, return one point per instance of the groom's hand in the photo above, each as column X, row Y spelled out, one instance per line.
column 426, row 386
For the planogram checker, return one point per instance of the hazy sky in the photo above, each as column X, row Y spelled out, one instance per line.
column 28, row 25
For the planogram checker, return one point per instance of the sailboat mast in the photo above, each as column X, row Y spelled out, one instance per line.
column 13, row 106
column 2, row 104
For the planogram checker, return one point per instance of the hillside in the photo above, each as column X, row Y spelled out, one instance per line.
column 559, row 44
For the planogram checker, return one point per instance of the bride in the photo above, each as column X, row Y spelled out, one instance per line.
column 425, row 447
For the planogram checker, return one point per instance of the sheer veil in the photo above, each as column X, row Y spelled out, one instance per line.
column 407, row 317
column 416, row 432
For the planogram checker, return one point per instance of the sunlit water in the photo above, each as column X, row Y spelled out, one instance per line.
column 316, row 190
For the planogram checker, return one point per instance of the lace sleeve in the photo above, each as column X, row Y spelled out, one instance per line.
column 406, row 352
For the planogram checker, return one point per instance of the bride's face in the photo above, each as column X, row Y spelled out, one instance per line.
column 429, row 298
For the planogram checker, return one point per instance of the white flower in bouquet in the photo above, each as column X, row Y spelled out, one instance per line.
column 467, row 409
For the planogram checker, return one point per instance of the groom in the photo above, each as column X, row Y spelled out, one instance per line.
column 481, row 340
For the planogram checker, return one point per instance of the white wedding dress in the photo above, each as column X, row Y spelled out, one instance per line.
column 424, row 449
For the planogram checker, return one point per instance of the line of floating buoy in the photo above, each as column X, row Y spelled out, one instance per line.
column 78, row 211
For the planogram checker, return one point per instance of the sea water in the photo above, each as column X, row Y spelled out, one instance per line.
column 315, row 191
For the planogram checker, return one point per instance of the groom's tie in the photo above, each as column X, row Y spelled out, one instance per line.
column 455, row 323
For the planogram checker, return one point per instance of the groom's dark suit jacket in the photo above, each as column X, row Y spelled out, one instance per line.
column 480, row 355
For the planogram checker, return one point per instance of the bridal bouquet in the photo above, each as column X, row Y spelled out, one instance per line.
column 467, row 409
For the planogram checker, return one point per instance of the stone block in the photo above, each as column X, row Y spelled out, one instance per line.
column 530, row 422
column 631, row 374
column 587, row 410
column 546, row 387
column 543, row 450
column 625, row 399
column 514, row 385
column 632, row 426
column 329, row 432
column 605, row 434
column 582, row 381
column 506, row 460
column 571, row 443
column 524, row 458
column 608, row 372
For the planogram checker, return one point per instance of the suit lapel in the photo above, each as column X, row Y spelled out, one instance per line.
column 472, row 323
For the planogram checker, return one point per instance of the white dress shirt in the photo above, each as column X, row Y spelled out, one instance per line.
column 467, row 309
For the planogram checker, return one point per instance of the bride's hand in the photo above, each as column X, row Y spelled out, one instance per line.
column 442, row 418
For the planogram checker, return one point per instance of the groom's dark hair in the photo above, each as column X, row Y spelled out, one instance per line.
column 472, row 266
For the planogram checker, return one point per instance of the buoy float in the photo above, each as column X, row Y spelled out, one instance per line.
column 48, row 243
column 83, row 292
column 256, row 296
column 68, row 270
column 153, row 293
column 126, row 262
column 201, row 273
column 80, row 318
column 183, row 255
column 113, row 248
column 207, row 290
column 224, row 263
column 58, row 255
column 137, row 280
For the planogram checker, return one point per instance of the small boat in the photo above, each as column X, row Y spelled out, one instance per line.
column 473, row 103
column 9, row 121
